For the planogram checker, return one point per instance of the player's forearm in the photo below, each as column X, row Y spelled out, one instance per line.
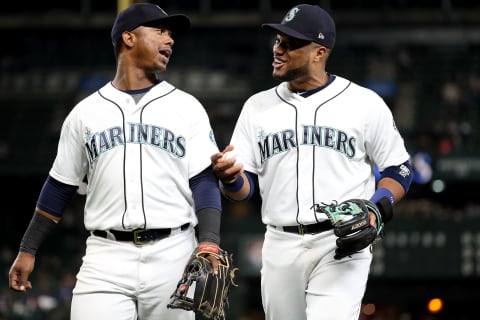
column 394, row 187
column 238, row 190
column 40, row 226
column 51, row 204
column 209, row 225
column 389, row 192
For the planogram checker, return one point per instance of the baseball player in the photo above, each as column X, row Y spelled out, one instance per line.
column 144, row 147
column 313, row 139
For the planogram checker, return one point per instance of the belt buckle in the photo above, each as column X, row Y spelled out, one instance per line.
column 301, row 231
column 137, row 235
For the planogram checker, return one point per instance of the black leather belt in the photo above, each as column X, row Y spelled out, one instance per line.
column 307, row 228
column 139, row 236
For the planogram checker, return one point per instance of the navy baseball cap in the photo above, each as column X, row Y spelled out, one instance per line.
column 307, row 22
column 146, row 14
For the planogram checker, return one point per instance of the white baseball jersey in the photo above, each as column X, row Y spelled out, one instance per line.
column 138, row 157
column 315, row 150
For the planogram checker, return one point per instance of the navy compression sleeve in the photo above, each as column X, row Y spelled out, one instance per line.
column 55, row 196
column 206, row 193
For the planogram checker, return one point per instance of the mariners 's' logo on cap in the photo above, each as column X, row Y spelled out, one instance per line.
column 291, row 14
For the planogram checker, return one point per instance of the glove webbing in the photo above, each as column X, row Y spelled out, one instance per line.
column 335, row 211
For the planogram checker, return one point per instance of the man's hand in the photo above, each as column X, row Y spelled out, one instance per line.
column 20, row 270
column 210, row 250
column 227, row 169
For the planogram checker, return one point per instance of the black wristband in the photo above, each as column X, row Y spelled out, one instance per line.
column 36, row 232
column 209, row 225
column 386, row 209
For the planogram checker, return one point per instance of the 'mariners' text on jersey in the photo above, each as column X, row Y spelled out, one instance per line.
column 317, row 136
column 139, row 133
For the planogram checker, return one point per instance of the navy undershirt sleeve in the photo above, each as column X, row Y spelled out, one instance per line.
column 205, row 190
column 55, row 196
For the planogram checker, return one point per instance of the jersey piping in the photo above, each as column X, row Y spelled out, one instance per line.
column 298, row 149
column 125, row 155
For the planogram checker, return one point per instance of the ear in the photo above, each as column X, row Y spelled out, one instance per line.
column 128, row 38
column 321, row 53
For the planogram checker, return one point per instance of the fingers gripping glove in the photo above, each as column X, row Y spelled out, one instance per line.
column 351, row 224
column 200, row 290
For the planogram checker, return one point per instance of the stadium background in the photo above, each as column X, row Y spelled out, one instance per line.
column 422, row 57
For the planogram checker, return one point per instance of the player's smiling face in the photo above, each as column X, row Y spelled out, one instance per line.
column 291, row 58
column 153, row 48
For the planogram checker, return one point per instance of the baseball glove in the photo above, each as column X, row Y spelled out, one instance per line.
column 351, row 224
column 200, row 290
